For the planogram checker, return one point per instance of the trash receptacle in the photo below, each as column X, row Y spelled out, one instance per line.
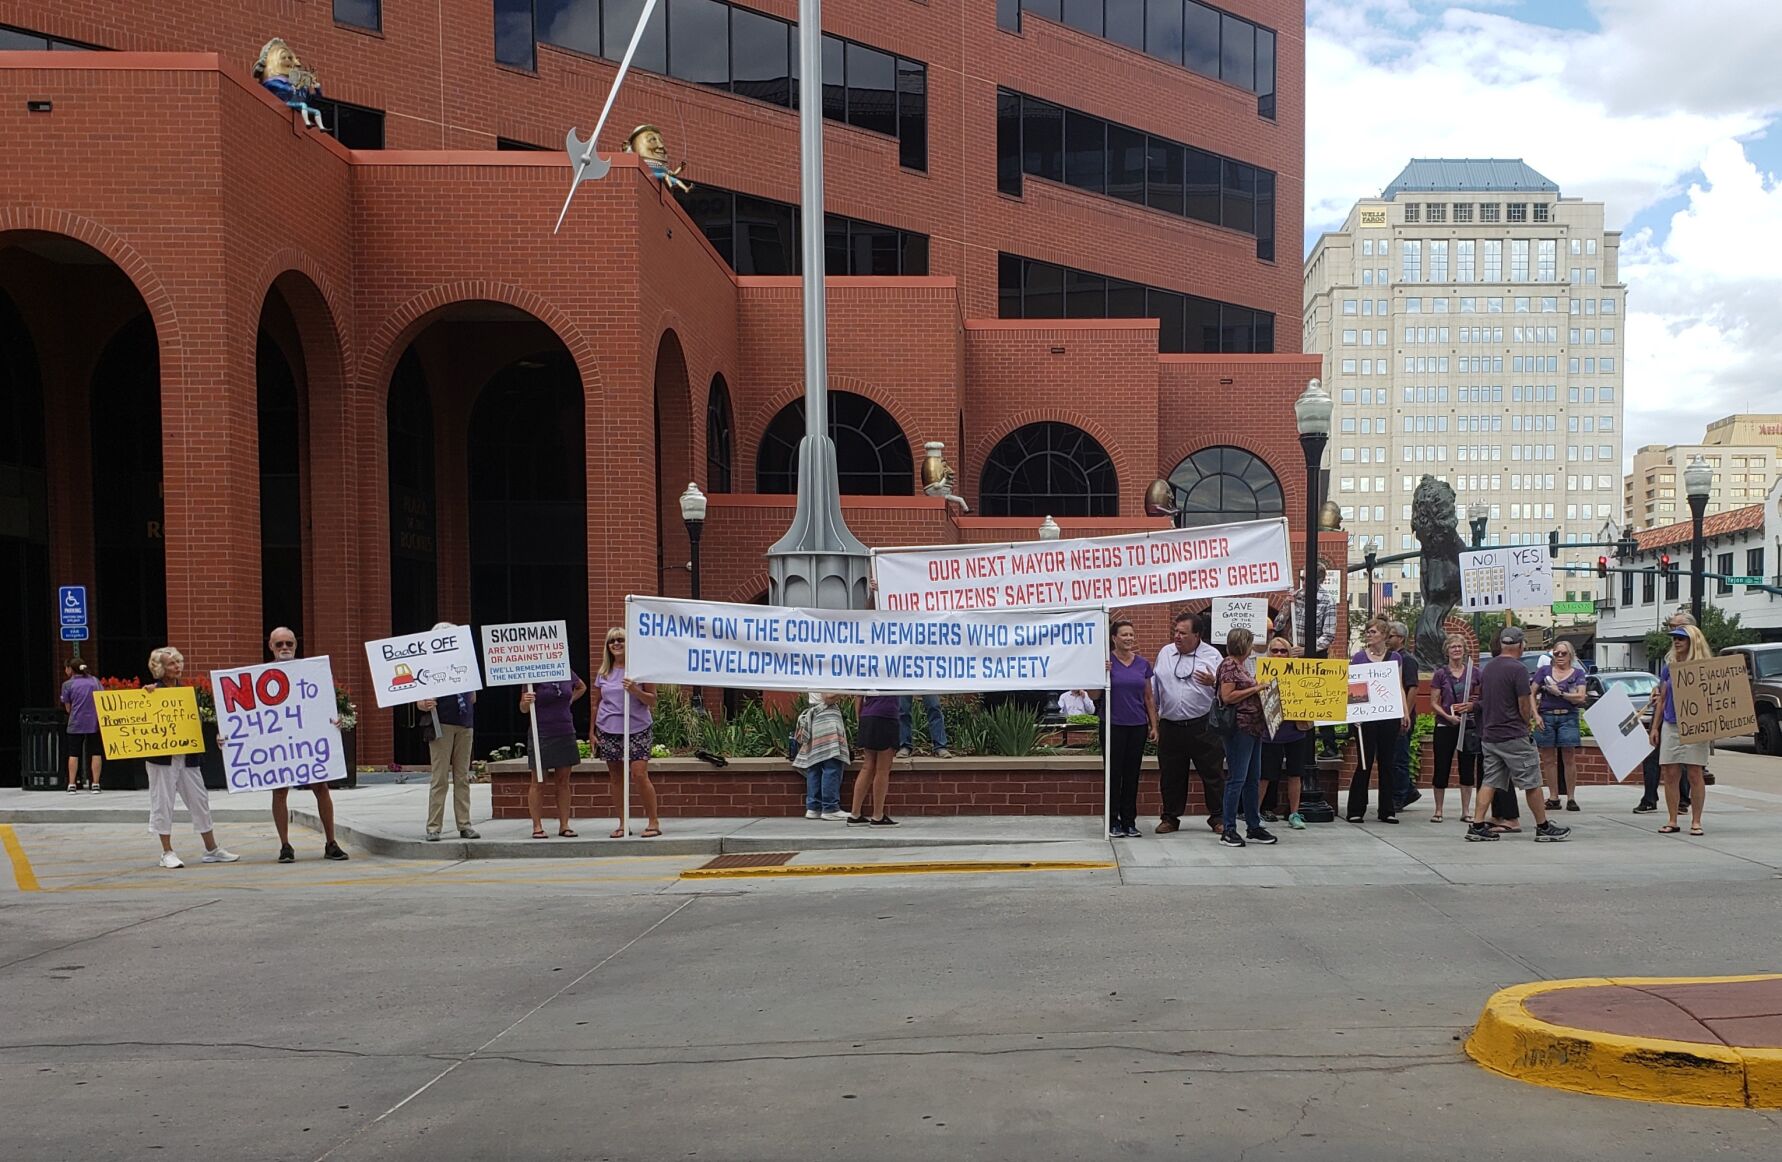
column 40, row 750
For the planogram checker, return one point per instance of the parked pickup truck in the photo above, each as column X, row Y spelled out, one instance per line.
column 1763, row 663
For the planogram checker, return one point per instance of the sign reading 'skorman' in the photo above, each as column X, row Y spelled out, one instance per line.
column 276, row 725
column 1129, row 569
column 434, row 664
column 763, row 647
column 525, row 651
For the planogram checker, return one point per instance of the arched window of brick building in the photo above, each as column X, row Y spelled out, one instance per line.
column 719, row 452
column 1049, row 469
column 872, row 454
column 1218, row 485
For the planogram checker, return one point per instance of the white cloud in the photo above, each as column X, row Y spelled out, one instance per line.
column 1629, row 114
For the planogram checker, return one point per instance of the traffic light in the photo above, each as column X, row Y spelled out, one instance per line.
column 1602, row 566
column 1665, row 564
column 1553, row 543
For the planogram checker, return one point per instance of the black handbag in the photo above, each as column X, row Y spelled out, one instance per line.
column 1222, row 718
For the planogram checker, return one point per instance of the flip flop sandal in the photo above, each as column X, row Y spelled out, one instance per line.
column 1506, row 830
column 618, row 833
column 1667, row 829
column 1696, row 831
column 567, row 834
column 1435, row 818
column 539, row 834
column 651, row 832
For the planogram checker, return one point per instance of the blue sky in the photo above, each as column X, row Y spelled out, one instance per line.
column 1653, row 107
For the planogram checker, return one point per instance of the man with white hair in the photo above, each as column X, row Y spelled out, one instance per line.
column 282, row 642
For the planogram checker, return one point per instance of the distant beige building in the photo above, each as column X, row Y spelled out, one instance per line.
column 1745, row 452
column 1470, row 321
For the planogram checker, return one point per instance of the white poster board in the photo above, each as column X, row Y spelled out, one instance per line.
column 1509, row 577
column 1375, row 692
column 275, row 725
column 764, row 647
column 524, row 652
column 1614, row 722
column 1231, row 613
column 434, row 664
column 1127, row 569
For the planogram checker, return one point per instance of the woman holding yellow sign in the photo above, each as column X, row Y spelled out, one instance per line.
column 178, row 775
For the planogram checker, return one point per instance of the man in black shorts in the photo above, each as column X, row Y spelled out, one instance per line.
column 1511, row 762
column 283, row 644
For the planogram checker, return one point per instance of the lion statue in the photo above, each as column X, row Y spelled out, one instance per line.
column 1433, row 520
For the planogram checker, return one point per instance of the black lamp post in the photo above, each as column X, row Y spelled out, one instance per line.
column 1477, row 514
column 1698, row 480
column 693, row 516
column 1312, row 411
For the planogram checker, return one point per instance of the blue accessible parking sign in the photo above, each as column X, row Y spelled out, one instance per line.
column 71, row 601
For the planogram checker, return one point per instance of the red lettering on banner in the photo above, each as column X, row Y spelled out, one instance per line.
column 270, row 689
column 943, row 569
column 237, row 693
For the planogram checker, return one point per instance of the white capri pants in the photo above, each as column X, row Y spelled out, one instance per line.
column 180, row 777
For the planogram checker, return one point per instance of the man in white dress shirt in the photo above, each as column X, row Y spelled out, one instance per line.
column 1184, row 678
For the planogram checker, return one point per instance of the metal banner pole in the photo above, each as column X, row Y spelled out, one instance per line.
column 625, row 747
column 537, row 758
column 590, row 166
column 1107, row 760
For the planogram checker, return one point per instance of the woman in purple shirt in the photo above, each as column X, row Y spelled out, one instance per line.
column 83, row 725
column 1379, row 739
column 1132, row 720
column 878, row 742
column 611, row 745
column 1559, row 690
column 558, row 751
column 1455, row 692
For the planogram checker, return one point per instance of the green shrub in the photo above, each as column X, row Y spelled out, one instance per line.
column 1011, row 729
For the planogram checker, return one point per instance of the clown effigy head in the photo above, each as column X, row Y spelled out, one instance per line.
column 646, row 141
column 278, row 59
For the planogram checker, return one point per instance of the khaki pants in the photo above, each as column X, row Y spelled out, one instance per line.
column 451, row 763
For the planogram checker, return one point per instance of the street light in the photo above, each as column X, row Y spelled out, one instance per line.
column 1312, row 412
column 1698, row 481
column 693, row 516
column 1049, row 530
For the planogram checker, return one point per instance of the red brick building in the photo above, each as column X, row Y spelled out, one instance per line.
column 255, row 374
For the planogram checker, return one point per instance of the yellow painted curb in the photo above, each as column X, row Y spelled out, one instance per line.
column 1514, row 1042
column 22, row 875
column 887, row 869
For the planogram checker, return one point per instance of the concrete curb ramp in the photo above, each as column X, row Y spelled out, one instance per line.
column 1681, row 1040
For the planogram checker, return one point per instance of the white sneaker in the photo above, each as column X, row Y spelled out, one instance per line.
column 96, row 788
column 812, row 815
column 170, row 860
column 835, row 816
column 219, row 855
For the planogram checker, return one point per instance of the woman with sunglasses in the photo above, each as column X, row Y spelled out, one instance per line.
column 1454, row 693
column 1559, row 690
column 1379, row 739
column 611, row 745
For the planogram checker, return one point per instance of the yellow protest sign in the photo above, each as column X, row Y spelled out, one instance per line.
column 146, row 724
column 1312, row 689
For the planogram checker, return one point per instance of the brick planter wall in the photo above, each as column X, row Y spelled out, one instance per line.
column 1584, row 765
column 1045, row 785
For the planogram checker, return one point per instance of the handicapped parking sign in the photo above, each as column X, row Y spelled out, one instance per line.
column 71, row 602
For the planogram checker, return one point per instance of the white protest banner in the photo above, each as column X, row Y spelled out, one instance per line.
column 1127, row 569
column 1231, row 613
column 525, row 651
column 275, row 725
column 1615, row 723
column 764, row 647
column 434, row 664
column 1511, row 577
column 1375, row 693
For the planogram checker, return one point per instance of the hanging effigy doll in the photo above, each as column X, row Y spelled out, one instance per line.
column 284, row 76
column 646, row 142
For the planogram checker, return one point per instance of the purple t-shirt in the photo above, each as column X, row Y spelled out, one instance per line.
column 1664, row 679
column 1126, row 707
column 554, row 706
column 610, row 717
column 1450, row 690
column 77, row 695
column 1502, row 687
column 1551, row 702
column 879, row 706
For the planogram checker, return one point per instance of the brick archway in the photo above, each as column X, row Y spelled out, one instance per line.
column 973, row 469
column 748, row 444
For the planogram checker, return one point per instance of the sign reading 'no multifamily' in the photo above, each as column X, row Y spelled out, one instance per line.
column 435, row 664
column 711, row 643
column 1511, row 577
column 1130, row 569
column 525, row 651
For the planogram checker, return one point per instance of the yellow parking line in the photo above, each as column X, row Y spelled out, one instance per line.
column 21, row 864
column 890, row 869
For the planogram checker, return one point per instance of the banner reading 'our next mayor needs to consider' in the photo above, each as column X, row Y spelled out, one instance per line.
column 1171, row 565
column 764, row 647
